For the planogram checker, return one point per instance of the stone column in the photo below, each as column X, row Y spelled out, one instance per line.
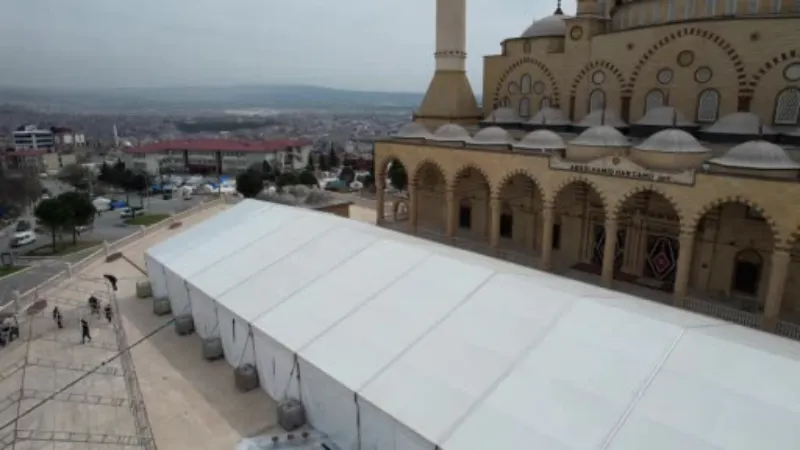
column 685, row 252
column 413, row 204
column 451, row 212
column 609, row 251
column 380, row 206
column 779, row 270
column 549, row 214
column 494, row 221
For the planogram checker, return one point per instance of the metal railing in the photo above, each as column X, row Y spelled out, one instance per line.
column 723, row 312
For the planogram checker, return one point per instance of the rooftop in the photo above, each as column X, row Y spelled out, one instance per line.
column 219, row 145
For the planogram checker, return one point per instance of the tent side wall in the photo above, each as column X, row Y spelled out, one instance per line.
column 204, row 313
column 330, row 406
column 155, row 273
column 237, row 338
column 178, row 293
column 380, row 430
column 277, row 369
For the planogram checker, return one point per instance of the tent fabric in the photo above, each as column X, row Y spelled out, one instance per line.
column 395, row 342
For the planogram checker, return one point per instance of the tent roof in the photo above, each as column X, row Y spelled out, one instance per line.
column 472, row 352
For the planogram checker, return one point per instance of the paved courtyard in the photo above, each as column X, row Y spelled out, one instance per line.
column 58, row 394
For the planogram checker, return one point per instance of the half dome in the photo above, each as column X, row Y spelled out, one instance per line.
column 739, row 123
column 549, row 117
column 450, row 132
column 502, row 115
column 672, row 141
column 541, row 140
column 601, row 136
column 760, row 155
column 601, row 117
column 412, row 130
column 491, row 136
column 665, row 116
column 550, row 26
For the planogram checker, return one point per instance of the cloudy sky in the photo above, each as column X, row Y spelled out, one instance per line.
column 365, row 45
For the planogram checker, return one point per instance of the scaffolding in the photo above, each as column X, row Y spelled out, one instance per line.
column 22, row 366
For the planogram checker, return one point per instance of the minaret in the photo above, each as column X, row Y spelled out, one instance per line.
column 449, row 98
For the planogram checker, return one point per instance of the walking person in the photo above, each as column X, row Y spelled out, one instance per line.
column 108, row 312
column 57, row 317
column 85, row 331
column 94, row 306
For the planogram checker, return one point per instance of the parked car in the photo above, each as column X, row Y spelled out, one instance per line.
column 22, row 238
column 128, row 212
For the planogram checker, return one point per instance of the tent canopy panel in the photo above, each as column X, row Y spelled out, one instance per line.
column 280, row 281
column 331, row 298
column 463, row 357
column 204, row 230
column 237, row 269
column 384, row 327
column 227, row 242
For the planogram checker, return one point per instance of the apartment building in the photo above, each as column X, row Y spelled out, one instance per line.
column 30, row 137
column 208, row 155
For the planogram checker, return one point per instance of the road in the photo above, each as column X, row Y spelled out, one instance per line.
column 108, row 226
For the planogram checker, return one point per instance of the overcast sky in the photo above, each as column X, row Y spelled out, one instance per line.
column 365, row 45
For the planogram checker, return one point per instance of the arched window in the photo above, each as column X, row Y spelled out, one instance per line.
column 597, row 100
column 707, row 106
column 525, row 84
column 753, row 7
column 525, row 107
column 656, row 12
column 653, row 99
column 747, row 268
column 787, row 107
column 711, row 7
column 670, row 10
column 730, row 9
column 688, row 9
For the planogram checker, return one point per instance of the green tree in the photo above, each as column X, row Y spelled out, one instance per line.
column 347, row 175
column 286, row 179
column 81, row 211
column 397, row 175
column 322, row 163
column 75, row 175
column 333, row 159
column 133, row 182
column 19, row 189
column 249, row 184
column 53, row 214
column 310, row 165
column 307, row 178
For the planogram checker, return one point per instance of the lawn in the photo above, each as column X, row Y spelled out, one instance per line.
column 147, row 219
column 62, row 248
column 8, row 270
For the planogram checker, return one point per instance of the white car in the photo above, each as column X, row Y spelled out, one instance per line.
column 127, row 212
column 23, row 238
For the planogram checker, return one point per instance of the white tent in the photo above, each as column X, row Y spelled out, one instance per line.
column 393, row 342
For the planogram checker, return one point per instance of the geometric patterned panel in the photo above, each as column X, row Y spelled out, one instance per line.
column 708, row 106
column 662, row 258
column 787, row 107
column 600, row 243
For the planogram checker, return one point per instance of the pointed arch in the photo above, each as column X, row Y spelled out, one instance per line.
column 517, row 173
column 551, row 79
column 590, row 67
column 430, row 164
column 772, row 63
column 462, row 170
column 650, row 188
column 578, row 179
column 695, row 219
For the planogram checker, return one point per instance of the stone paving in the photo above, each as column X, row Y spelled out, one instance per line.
column 59, row 394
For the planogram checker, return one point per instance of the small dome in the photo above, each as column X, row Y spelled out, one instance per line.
column 502, row 115
column 451, row 133
column 413, row 130
column 601, row 136
column 492, row 136
column 757, row 155
column 549, row 116
column 672, row 141
column 541, row 139
column 665, row 116
column 550, row 26
column 599, row 117
column 741, row 123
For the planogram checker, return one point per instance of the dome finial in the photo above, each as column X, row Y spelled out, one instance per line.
column 558, row 12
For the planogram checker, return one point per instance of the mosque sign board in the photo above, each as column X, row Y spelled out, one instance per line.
column 618, row 167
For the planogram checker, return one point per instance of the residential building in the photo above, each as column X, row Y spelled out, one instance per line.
column 208, row 155
column 30, row 137
column 32, row 160
column 647, row 145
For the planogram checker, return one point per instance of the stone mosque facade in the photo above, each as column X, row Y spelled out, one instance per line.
column 648, row 143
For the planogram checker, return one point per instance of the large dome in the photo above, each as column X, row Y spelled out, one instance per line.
column 672, row 141
column 601, row 117
column 451, row 133
column 665, row 116
column 551, row 26
column 761, row 155
column 492, row 136
column 412, row 130
column 601, row 136
column 502, row 115
column 549, row 117
column 739, row 123
column 541, row 140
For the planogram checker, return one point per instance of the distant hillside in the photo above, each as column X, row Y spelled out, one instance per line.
column 211, row 97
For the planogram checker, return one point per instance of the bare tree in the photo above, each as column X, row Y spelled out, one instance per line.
column 19, row 187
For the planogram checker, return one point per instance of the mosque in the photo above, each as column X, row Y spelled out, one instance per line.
column 646, row 143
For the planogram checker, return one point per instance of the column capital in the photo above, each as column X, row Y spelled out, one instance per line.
column 412, row 184
column 686, row 233
column 781, row 251
column 548, row 205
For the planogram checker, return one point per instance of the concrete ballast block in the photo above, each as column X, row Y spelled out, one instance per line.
column 246, row 377
column 184, row 325
column 212, row 349
column 144, row 289
column 291, row 415
column 161, row 306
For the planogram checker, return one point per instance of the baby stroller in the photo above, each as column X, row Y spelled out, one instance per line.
column 9, row 328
